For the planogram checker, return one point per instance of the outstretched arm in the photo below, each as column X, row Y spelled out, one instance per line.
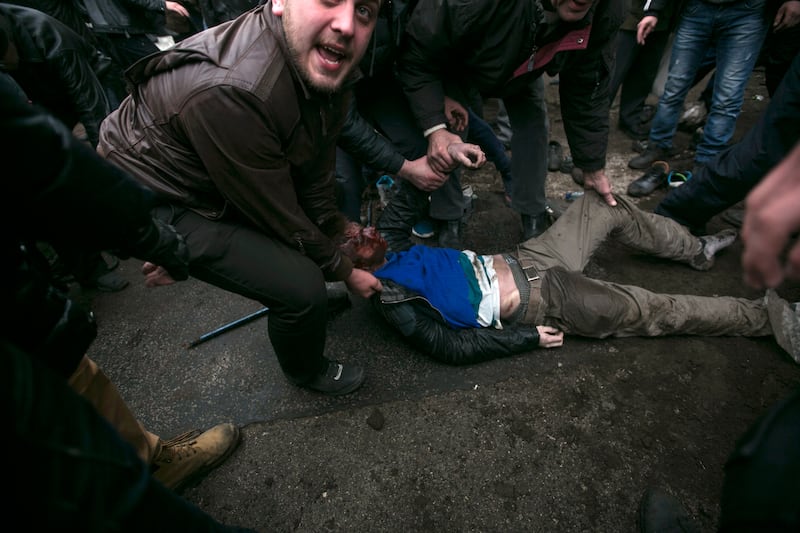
column 429, row 335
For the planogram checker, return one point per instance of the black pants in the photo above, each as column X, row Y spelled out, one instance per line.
column 70, row 470
column 233, row 256
column 635, row 70
column 729, row 176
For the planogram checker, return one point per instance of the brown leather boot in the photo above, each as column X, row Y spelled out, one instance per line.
column 189, row 456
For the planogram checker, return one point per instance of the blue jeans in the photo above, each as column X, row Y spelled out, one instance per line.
column 733, row 173
column 736, row 31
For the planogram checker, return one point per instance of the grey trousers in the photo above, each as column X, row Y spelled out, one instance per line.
column 580, row 305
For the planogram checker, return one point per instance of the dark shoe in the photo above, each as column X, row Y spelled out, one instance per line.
column 640, row 146
column 647, row 114
column 577, row 176
column 534, row 225
column 567, row 165
column 654, row 178
column 450, row 234
column 661, row 513
column 108, row 282
column 734, row 215
column 554, row 156
column 710, row 246
column 337, row 380
column 648, row 157
column 188, row 456
column 638, row 132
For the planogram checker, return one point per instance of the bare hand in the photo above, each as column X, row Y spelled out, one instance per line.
column 550, row 337
column 788, row 15
column 598, row 181
column 645, row 28
column 771, row 218
column 438, row 157
column 420, row 173
column 363, row 283
column 456, row 114
column 468, row 155
column 156, row 276
column 175, row 7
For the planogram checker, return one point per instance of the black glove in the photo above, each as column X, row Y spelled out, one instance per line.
column 162, row 245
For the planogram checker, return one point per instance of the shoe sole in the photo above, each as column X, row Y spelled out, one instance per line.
column 347, row 390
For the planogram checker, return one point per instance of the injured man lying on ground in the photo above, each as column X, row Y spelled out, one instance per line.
column 460, row 307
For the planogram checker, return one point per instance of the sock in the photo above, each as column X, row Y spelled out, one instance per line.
column 709, row 246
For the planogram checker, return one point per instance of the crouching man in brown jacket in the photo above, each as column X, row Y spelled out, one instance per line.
column 235, row 129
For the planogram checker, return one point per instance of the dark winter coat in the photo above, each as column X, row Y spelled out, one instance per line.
column 422, row 326
column 494, row 48
column 58, row 69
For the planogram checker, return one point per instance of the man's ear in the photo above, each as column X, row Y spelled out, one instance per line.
column 277, row 7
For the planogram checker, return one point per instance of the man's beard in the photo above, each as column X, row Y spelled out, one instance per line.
column 306, row 77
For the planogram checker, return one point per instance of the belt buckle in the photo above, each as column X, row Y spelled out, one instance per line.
column 525, row 269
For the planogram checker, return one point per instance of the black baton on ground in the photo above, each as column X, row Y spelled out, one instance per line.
column 227, row 327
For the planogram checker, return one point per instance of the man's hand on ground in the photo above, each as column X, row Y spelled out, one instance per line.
column 598, row 181
column 550, row 337
column 156, row 276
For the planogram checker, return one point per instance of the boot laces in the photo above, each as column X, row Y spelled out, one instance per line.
column 178, row 447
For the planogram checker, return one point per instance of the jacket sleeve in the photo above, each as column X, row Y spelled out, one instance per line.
column 437, row 34
column 85, row 91
column 62, row 191
column 583, row 90
column 427, row 333
column 359, row 139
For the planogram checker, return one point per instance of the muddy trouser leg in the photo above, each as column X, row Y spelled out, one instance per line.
column 407, row 206
column 584, row 306
column 90, row 381
column 761, row 490
column 239, row 259
column 734, row 172
column 588, row 222
column 70, row 470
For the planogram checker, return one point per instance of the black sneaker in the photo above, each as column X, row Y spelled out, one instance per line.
column 337, row 380
column 648, row 157
column 654, row 178
column 555, row 155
